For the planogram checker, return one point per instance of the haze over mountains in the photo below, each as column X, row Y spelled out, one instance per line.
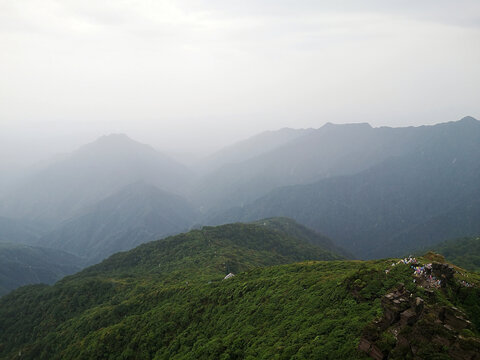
column 22, row 265
column 374, row 191
column 329, row 151
column 380, row 211
column 135, row 214
column 277, row 218
column 287, row 180
column 90, row 174
column 250, row 148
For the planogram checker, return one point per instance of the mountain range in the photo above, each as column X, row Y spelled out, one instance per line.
column 88, row 175
column 135, row 214
column 20, row 230
column 248, row 253
column 375, row 192
column 332, row 150
column 250, row 148
column 388, row 208
column 23, row 265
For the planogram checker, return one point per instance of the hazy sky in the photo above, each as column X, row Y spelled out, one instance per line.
column 195, row 75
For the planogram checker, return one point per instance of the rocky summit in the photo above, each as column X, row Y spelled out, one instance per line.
column 423, row 324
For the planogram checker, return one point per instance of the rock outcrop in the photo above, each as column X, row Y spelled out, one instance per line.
column 418, row 328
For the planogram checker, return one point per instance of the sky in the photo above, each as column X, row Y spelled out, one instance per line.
column 191, row 76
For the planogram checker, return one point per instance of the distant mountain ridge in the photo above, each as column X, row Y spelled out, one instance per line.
column 374, row 191
column 462, row 219
column 137, row 213
column 25, row 265
column 20, row 231
column 88, row 175
column 251, row 147
column 364, row 211
column 332, row 150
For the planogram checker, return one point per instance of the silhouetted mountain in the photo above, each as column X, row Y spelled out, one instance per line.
column 330, row 151
column 90, row 174
column 23, row 265
column 362, row 212
column 136, row 214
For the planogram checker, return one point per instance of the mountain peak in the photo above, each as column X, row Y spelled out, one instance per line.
column 468, row 119
column 116, row 142
column 114, row 139
column 363, row 125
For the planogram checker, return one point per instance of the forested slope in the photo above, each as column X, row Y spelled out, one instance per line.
column 167, row 300
column 464, row 252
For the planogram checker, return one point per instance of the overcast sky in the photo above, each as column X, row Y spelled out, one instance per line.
column 196, row 75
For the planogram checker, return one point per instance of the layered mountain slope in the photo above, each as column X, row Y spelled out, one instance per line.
column 90, row 174
column 462, row 219
column 136, row 214
column 362, row 212
column 332, row 150
column 251, row 148
column 166, row 300
column 20, row 231
column 23, row 265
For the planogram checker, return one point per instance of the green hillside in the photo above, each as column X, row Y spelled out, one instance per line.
column 292, row 228
column 464, row 252
column 211, row 253
column 167, row 300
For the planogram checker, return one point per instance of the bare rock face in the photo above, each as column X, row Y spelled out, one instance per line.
column 454, row 318
column 421, row 328
column 418, row 306
column 408, row 317
column 394, row 304
column 371, row 349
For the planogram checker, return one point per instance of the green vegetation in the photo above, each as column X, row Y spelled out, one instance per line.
column 303, row 311
column 210, row 253
column 292, row 228
column 464, row 252
column 167, row 300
